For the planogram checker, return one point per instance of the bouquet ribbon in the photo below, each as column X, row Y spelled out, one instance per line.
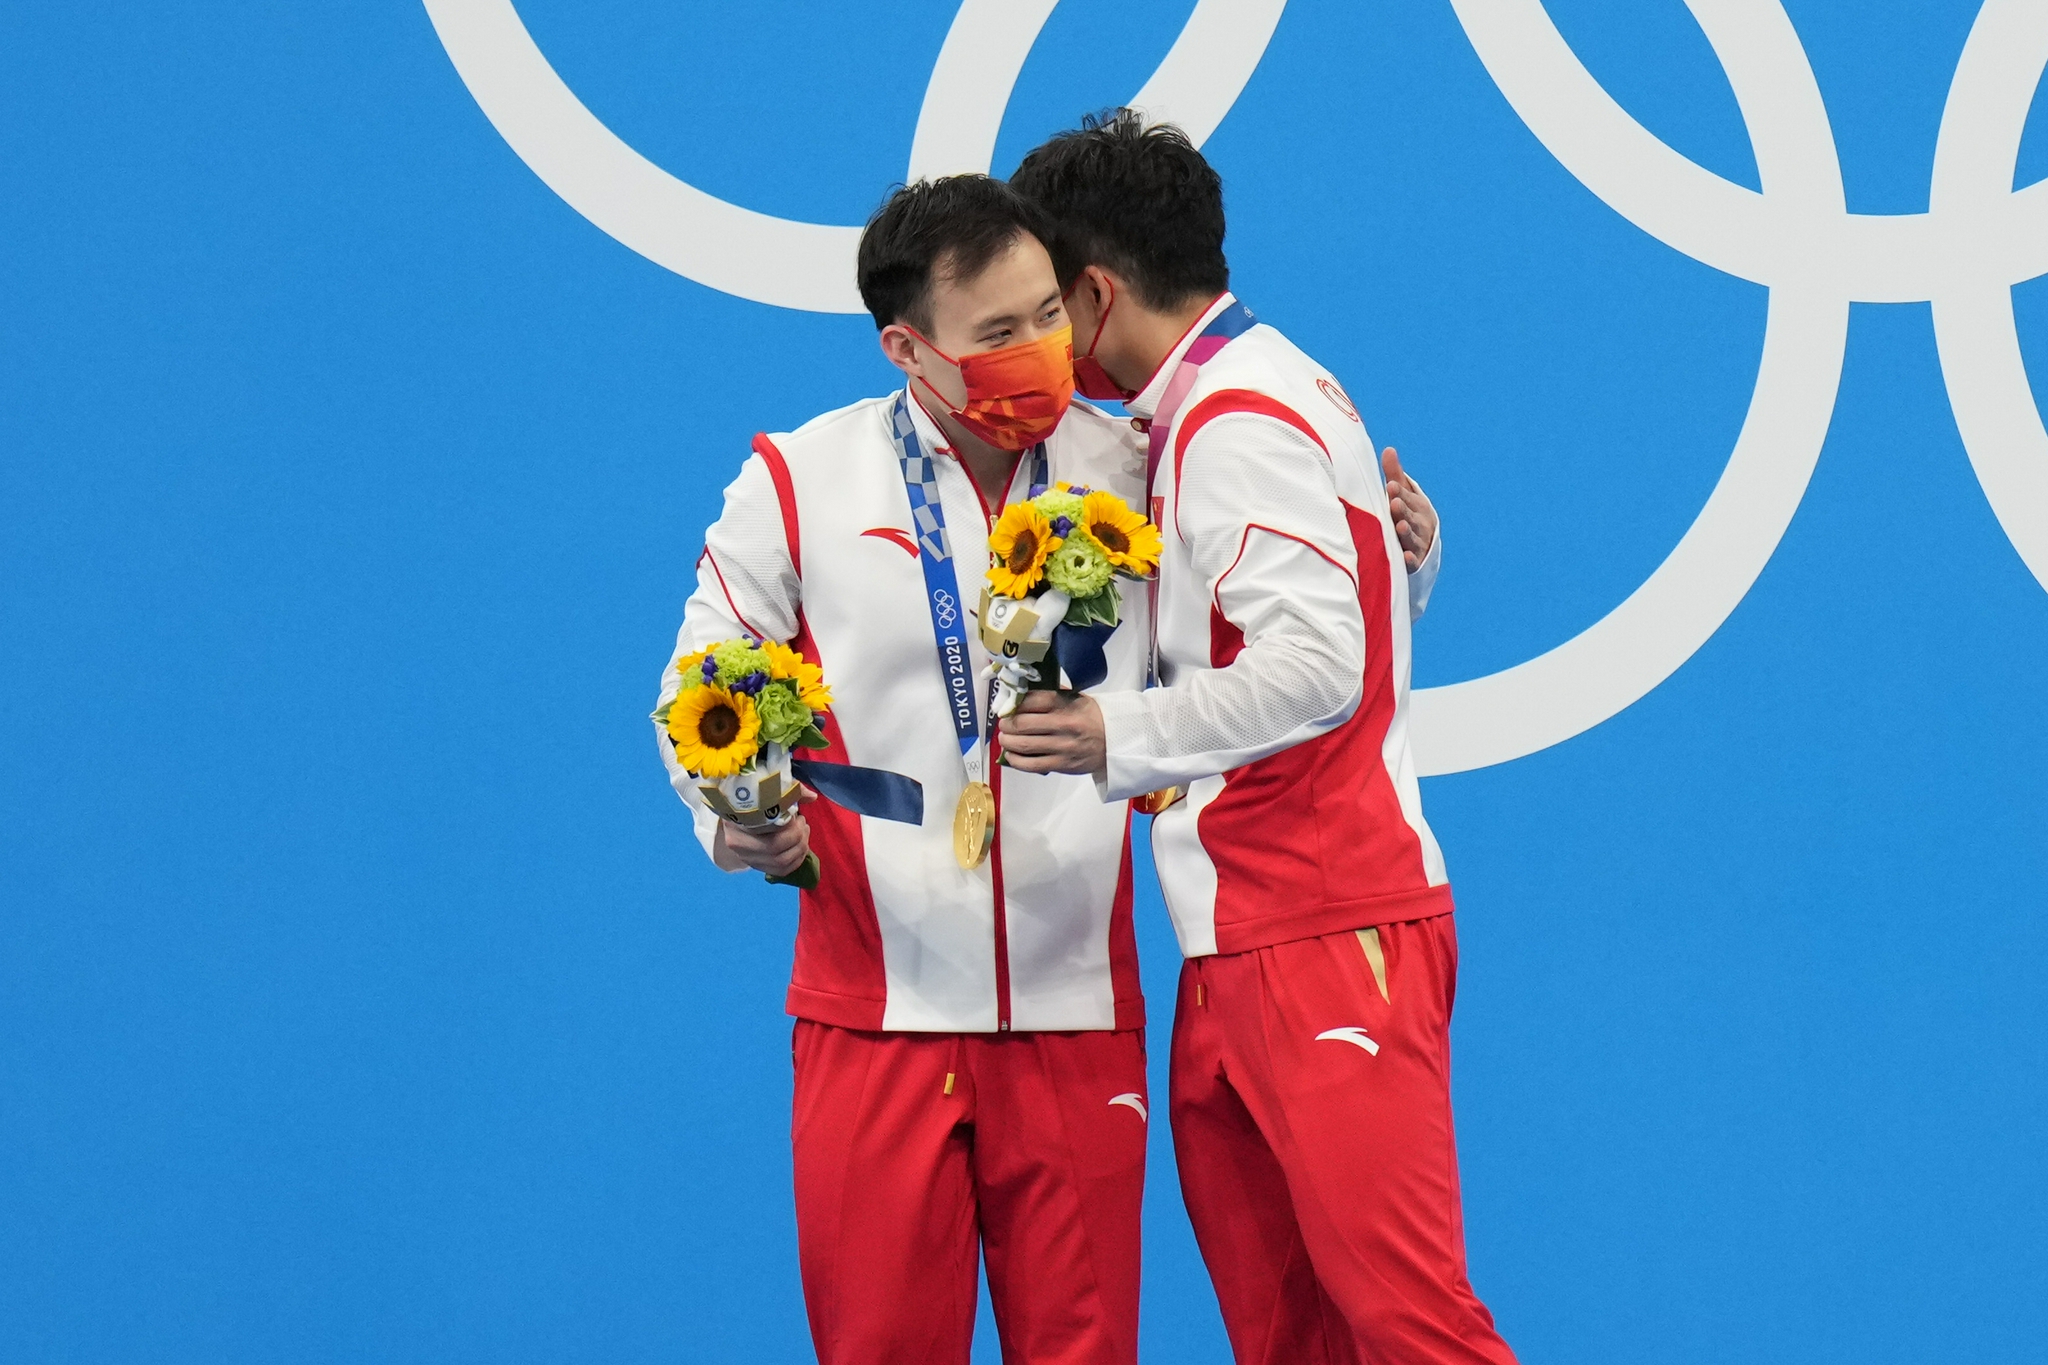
column 864, row 791
column 1079, row 650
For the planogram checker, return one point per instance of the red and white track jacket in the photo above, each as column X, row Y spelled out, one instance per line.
column 816, row 547
column 1283, row 620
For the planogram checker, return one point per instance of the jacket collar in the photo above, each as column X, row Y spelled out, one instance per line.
column 1146, row 404
column 934, row 440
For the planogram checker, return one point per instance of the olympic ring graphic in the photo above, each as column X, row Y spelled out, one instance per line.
column 1977, row 240
column 945, row 609
column 777, row 260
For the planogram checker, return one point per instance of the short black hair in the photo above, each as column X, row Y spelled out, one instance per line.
column 1135, row 199
column 955, row 225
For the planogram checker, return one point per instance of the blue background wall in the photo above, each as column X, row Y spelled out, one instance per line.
column 362, row 993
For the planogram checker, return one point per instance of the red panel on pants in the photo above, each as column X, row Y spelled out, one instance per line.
column 1312, row 1123
column 1036, row 1150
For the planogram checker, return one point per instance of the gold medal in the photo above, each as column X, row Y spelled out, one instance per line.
column 973, row 824
column 1153, row 803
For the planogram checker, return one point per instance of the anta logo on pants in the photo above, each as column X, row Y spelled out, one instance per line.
column 1353, row 1035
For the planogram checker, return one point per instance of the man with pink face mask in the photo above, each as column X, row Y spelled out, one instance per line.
column 1310, row 1095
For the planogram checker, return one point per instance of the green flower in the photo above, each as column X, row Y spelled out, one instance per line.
column 737, row 659
column 1079, row 568
column 1056, row 504
column 783, row 718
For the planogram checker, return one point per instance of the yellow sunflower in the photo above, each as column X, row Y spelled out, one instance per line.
column 1131, row 542
column 784, row 662
column 691, row 667
column 715, row 731
column 1020, row 542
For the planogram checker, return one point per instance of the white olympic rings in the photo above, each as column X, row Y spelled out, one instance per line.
column 777, row 260
column 1977, row 239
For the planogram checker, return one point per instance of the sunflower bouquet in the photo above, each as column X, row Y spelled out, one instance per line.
column 1055, row 562
column 740, row 710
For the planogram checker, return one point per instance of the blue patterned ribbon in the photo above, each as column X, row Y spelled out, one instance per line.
column 935, row 556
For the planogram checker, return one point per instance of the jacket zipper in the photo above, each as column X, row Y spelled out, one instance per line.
column 1000, row 909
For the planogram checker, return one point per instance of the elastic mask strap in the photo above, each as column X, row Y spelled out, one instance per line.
column 1100, row 322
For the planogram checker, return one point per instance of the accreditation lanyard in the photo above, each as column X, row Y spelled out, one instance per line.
column 1226, row 327
column 942, row 585
column 1233, row 322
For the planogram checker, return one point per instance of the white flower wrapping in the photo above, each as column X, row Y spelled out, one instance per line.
column 761, row 796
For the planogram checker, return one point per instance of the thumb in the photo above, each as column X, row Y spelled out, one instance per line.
column 1390, row 465
column 804, row 795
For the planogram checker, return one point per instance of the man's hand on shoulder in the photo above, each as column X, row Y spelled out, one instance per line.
column 777, row 850
column 1414, row 516
column 1050, row 733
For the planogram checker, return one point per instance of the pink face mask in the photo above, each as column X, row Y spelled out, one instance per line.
column 1090, row 379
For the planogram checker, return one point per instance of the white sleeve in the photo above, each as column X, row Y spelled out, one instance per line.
column 746, row 585
column 1259, row 511
column 1422, row 578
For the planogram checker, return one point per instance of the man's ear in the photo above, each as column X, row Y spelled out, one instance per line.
column 901, row 348
column 1092, row 289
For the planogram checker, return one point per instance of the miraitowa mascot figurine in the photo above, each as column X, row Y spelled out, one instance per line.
column 1018, row 635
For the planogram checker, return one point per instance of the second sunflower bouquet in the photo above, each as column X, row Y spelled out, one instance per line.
column 1051, row 599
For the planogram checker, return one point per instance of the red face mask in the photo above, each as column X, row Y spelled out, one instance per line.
column 1089, row 377
column 1016, row 395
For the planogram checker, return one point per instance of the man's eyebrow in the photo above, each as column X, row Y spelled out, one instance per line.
column 1005, row 319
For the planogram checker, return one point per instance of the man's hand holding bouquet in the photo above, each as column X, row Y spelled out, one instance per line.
column 742, row 708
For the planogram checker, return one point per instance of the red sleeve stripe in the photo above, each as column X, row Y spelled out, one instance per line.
column 1222, row 403
column 720, row 575
column 1216, row 598
column 785, row 494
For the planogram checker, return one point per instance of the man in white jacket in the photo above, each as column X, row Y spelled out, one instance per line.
column 1311, row 1053
column 970, row 1066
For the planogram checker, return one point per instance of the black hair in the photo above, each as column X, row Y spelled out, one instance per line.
column 953, row 226
column 1134, row 199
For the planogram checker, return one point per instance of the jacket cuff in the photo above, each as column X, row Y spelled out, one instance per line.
column 1126, row 771
column 1422, row 579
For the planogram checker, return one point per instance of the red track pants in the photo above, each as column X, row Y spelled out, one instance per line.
column 1312, row 1123
column 911, row 1148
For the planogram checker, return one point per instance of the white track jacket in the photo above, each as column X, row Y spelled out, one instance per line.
column 816, row 548
column 1283, row 644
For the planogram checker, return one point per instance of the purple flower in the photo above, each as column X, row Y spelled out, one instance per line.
column 1079, row 491
column 710, row 669
column 752, row 683
column 1037, row 490
column 1062, row 527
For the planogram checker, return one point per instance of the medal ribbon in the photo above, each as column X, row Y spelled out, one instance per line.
column 941, row 583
